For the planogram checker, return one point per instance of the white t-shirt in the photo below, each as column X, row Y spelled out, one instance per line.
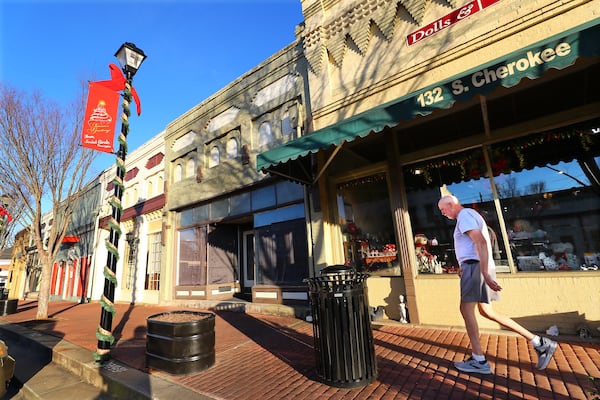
column 464, row 247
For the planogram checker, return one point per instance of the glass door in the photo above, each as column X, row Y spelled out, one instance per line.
column 248, row 260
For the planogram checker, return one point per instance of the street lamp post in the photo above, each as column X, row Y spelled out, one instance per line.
column 130, row 58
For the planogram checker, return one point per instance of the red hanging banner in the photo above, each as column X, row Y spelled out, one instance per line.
column 100, row 118
column 4, row 213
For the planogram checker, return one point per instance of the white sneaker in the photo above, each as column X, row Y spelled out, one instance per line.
column 545, row 352
column 470, row 365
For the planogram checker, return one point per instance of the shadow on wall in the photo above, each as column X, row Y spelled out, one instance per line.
column 567, row 323
column 392, row 302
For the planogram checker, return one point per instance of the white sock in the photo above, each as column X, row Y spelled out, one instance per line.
column 477, row 357
column 536, row 341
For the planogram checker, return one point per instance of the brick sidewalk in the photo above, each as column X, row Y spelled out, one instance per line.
column 267, row 357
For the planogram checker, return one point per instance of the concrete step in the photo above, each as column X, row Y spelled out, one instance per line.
column 38, row 376
column 51, row 368
column 51, row 381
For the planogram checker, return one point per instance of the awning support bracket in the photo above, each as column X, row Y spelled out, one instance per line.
column 329, row 161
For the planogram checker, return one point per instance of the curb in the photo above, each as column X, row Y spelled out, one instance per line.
column 111, row 378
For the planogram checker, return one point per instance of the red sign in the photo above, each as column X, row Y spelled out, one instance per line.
column 100, row 118
column 448, row 20
column 4, row 213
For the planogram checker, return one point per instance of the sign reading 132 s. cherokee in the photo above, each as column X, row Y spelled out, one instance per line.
column 530, row 63
column 448, row 20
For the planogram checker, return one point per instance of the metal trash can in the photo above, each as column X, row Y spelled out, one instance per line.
column 344, row 349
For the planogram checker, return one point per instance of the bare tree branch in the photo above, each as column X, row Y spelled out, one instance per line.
column 45, row 166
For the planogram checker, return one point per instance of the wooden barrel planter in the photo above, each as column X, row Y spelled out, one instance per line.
column 180, row 342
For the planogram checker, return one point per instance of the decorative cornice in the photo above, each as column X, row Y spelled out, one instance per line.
column 132, row 173
column 357, row 25
column 315, row 49
column 154, row 160
column 154, row 216
column 154, row 204
column 416, row 8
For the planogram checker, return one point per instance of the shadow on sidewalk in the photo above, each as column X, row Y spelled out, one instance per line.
column 290, row 345
column 32, row 343
column 118, row 329
column 424, row 358
column 130, row 345
column 67, row 308
column 30, row 357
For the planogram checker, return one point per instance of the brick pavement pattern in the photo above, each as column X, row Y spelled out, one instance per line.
column 272, row 357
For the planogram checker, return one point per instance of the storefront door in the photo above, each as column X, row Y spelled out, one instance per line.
column 248, row 260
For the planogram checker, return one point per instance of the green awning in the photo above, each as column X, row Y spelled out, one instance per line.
column 532, row 62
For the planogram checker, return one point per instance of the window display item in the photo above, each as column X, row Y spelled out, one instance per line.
column 426, row 262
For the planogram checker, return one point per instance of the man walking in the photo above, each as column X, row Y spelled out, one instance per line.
column 478, row 286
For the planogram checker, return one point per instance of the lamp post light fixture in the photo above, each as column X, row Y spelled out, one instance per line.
column 130, row 57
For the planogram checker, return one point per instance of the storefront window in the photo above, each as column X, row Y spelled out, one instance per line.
column 152, row 281
column 222, row 254
column 219, row 208
column 130, row 267
column 552, row 215
column 546, row 186
column 191, row 269
column 264, row 198
column 193, row 216
column 367, row 225
column 282, row 253
column 288, row 192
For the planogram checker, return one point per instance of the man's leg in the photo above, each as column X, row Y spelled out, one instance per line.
column 488, row 312
column 470, row 295
column 544, row 347
column 477, row 362
column 467, row 309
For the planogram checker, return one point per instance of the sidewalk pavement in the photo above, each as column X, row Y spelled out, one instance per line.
column 265, row 356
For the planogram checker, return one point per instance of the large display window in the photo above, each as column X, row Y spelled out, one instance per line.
column 540, row 195
column 366, row 221
column 282, row 253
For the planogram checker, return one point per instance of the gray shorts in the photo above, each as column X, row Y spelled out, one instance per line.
column 472, row 286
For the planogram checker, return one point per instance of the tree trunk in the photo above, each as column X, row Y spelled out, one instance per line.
column 44, row 294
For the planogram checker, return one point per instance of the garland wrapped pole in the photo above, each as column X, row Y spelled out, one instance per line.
column 130, row 58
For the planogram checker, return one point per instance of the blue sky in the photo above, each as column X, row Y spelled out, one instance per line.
column 194, row 48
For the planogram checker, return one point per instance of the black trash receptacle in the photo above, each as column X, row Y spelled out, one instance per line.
column 344, row 349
